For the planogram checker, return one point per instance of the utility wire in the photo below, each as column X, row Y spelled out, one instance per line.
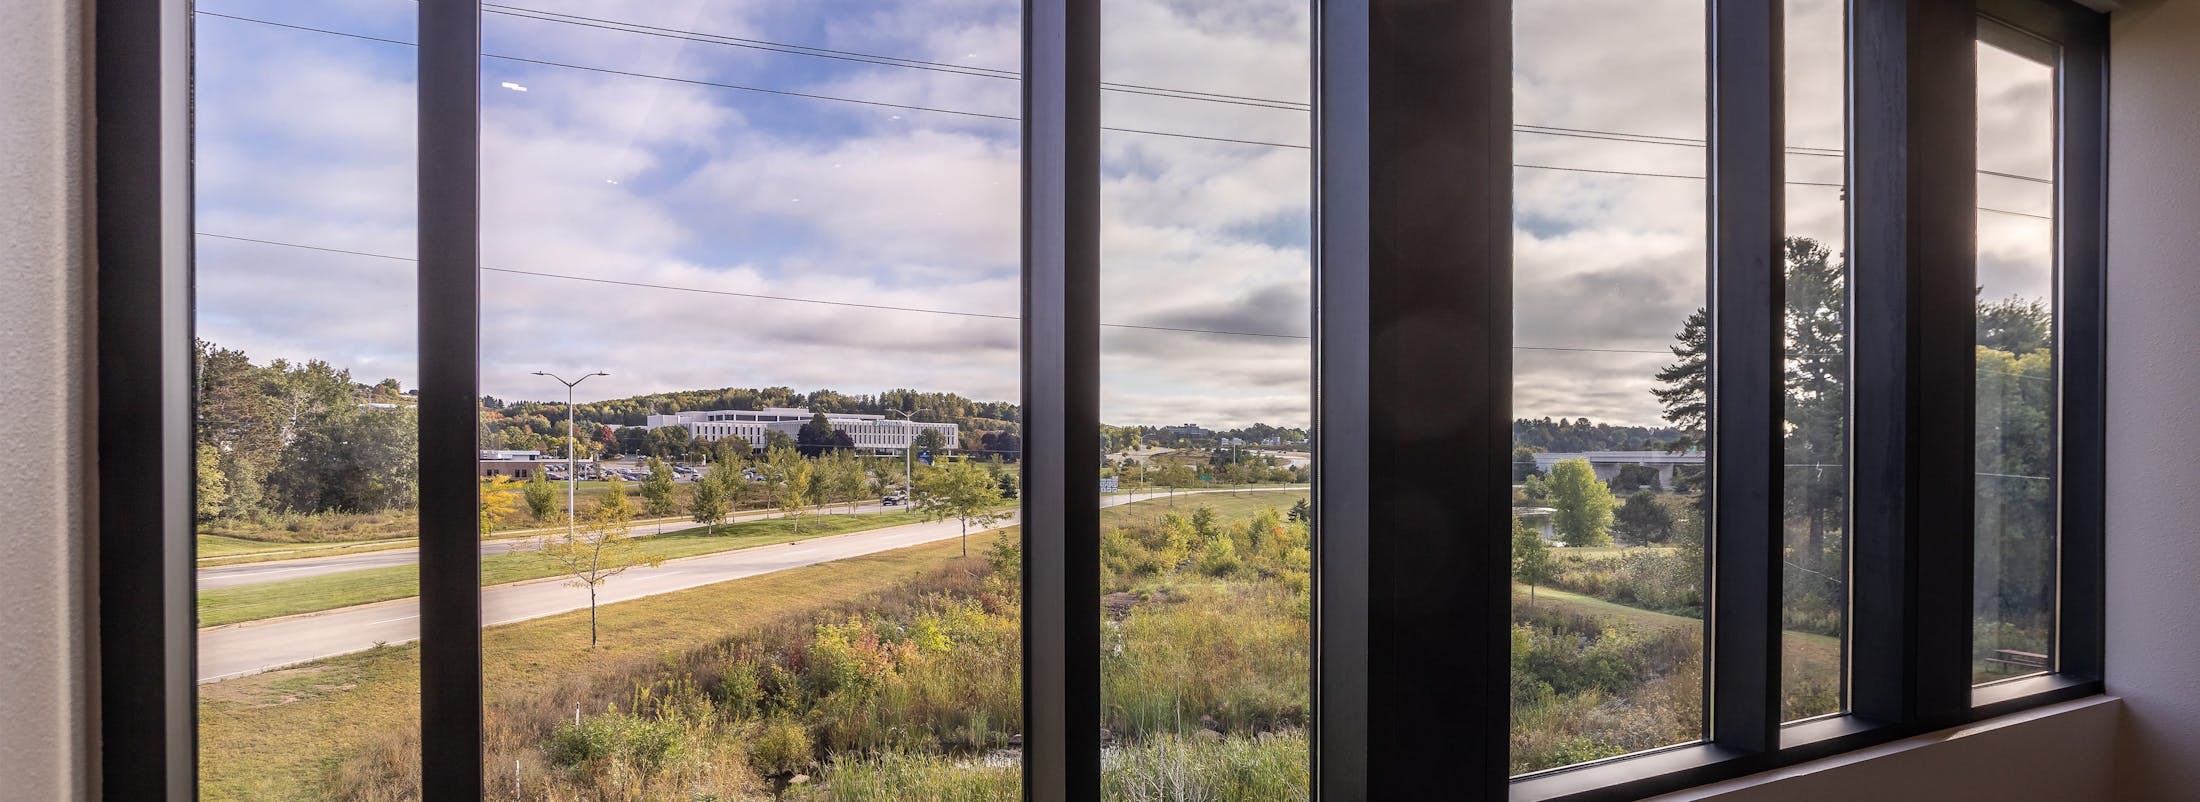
column 914, row 309
column 880, row 307
column 869, row 58
column 750, row 295
column 892, row 61
column 740, row 87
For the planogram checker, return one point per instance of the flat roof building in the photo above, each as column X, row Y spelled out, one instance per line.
column 866, row 431
column 522, row 464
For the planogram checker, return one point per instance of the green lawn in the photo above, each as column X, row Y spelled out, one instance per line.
column 331, row 591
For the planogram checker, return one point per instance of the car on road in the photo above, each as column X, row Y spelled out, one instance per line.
column 891, row 501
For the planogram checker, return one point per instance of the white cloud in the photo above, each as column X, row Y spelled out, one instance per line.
column 309, row 139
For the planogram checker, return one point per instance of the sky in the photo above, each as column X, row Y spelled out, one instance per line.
column 306, row 138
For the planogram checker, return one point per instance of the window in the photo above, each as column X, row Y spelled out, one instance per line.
column 1609, row 297
column 1205, row 556
column 1609, row 265
column 2016, row 464
column 1814, row 482
column 304, row 445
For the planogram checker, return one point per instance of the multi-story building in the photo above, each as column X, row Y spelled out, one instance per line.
column 867, row 431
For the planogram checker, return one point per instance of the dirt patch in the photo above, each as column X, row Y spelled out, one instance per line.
column 281, row 686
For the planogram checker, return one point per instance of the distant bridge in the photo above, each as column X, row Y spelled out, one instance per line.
column 1607, row 464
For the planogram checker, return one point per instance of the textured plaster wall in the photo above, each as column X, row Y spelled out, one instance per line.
column 44, row 355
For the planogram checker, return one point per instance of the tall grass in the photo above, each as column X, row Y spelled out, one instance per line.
column 1586, row 687
column 914, row 692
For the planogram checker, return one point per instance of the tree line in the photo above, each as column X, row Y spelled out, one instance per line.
column 289, row 437
column 2014, row 460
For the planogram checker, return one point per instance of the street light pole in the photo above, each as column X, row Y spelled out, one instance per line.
column 572, row 445
column 909, row 462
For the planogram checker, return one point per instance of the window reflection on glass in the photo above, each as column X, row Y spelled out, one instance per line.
column 1205, row 552
column 2015, row 454
column 1609, row 337
column 1815, row 480
column 770, row 254
column 306, row 458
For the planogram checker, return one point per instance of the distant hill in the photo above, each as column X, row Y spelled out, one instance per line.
column 635, row 410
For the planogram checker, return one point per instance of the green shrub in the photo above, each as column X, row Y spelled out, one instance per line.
column 646, row 745
column 779, row 746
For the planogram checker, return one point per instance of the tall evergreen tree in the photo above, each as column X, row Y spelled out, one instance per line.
column 1686, row 380
column 1817, row 391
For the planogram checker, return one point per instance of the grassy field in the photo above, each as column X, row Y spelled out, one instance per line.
column 278, row 736
column 331, row 591
column 290, row 734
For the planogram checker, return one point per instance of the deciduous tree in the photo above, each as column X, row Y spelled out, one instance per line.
column 499, row 498
column 657, row 489
column 708, row 500
column 1584, row 504
column 962, row 490
column 1643, row 519
column 602, row 549
column 1531, row 558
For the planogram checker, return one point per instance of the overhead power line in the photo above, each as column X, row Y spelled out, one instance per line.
column 745, row 88
column 893, row 61
column 750, row 295
column 874, row 59
column 1663, row 351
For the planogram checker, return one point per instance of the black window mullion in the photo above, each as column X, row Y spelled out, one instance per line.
column 449, row 324
column 2081, row 211
column 1941, row 226
column 1438, row 434
column 147, row 647
column 1341, row 423
column 1883, row 559
column 1061, row 400
column 1747, row 387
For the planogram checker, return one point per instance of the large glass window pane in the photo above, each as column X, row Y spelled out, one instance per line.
column 2015, row 455
column 1205, row 554
column 1816, row 479
column 1609, row 292
column 770, row 253
column 308, row 672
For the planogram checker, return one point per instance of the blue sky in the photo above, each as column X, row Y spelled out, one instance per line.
column 307, row 138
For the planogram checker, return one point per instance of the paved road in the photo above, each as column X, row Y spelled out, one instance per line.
column 228, row 576
column 253, row 647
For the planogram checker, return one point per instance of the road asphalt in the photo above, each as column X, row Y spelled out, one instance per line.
column 229, row 576
column 248, row 648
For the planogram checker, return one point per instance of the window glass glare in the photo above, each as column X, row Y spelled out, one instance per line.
column 2014, row 524
column 1814, row 482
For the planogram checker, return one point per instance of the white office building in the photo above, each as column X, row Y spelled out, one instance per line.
column 868, row 431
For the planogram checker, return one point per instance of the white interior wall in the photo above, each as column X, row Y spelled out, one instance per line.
column 45, row 741
column 2154, row 396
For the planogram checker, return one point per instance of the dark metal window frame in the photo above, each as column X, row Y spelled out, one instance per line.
column 1412, row 188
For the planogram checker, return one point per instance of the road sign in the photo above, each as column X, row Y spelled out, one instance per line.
column 925, row 457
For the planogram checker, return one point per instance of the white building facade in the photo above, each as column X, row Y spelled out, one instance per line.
column 867, row 431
